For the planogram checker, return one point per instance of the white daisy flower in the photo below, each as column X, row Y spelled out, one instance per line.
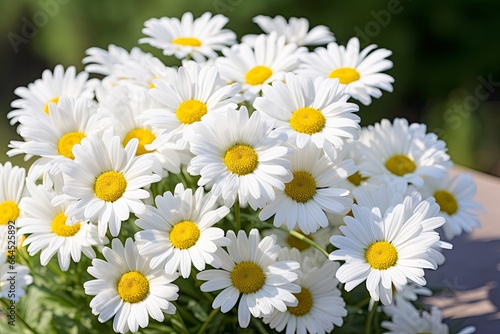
column 124, row 110
column 179, row 233
column 68, row 123
column 239, row 156
column 13, row 279
column 37, row 97
column 384, row 251
column 406, row 319
column 50, row 232
column 309, row 110
column 127, row 289
column 296, row 30
column 312, row 191
column 250, row 269
column 12, row 182
column 104, row 183
column 402, row 151
column 454, row 194
column 192, row 92
column 103, row 62
column 359, row 71
column 320, row 305
column 258, row 65
column 198, row 38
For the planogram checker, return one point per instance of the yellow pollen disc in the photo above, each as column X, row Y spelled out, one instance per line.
column 356, row 179
column 305, row 303
column 145, row 137
column 66, row 143
column 346, row 75
column 9, row 212
column 241, row 159
column 133, row 287
column 257, row 75
column 295, row 242
column 248, row 277
column 46, row 107
column 400, row 165
column 110, row 186
column 187, row 41
column 191, row 111
column 307, row 120
column 381, row 255
column 302, row 188
column 184, row 234
column 447, row 201
column 60, row 228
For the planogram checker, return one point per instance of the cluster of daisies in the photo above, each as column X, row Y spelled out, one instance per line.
column 238, row 168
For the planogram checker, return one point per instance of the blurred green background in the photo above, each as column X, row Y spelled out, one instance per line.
column 446, row 54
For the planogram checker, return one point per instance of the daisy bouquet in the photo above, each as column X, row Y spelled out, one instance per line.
column 235, row 192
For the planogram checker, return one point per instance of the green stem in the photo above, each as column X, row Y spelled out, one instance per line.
column 308, row 241
column 210, row 317
column 18, row 317
column 369, row 320
column 237, row 219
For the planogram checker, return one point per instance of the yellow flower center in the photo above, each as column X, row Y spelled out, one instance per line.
column 257, row 75
column 187, row 41
column 9, row 212
column 305, row 303
column 346, row 75
column 184, row 234
column 356, row 179
column 400, row 165
column 133, row 287
column 46, row 107
column 60, row 228
column 447, row 201
column 241, row 159
column 381, row 255
column 302, row 187
column 248, row 277
column 295, row 242
column 307, row 120
column 66, row 143
column 110, row 186
column 144, row 136
column 191, row 111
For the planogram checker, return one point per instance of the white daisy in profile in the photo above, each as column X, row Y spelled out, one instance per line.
column 312, row 191
column 12, row 182
column 199, row 38
column 127, row 289
column 49, row 231
column 68, row 123
column 104, row 183
column 401, row 151
column 103, row 62
column 179, row 232
column 256, row 66
column 250, row 269
column 406, row 319
column 296, row 30
column 192, row 92
column 359, row 71
column 320, row 306
column 37, row 97
column 21, row 275
column 308, row 110
column 383, row 250
column 454, row 194
column 239, row 157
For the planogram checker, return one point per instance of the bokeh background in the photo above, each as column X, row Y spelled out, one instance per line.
column 446, row 54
